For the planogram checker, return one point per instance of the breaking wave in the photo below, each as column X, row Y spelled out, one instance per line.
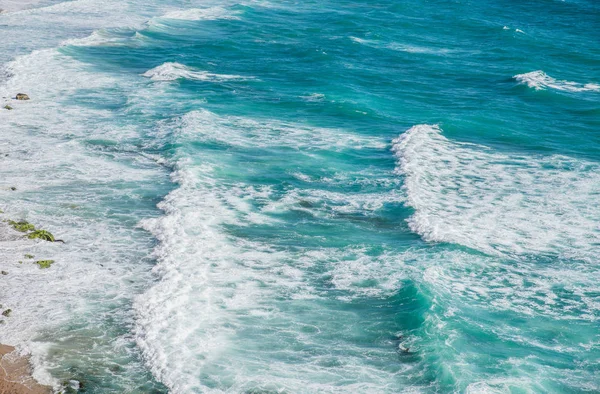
column 539, row 80
column 498, row 203
column 175, row 71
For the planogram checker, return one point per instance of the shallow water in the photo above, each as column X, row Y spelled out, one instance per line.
column 302, row 198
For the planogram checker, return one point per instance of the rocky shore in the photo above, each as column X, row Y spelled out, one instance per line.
column 15, row 369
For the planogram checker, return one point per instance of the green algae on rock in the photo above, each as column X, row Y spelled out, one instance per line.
column 22, row 226
column 41, row 234
column 33, row 233
column 7, row 313
column 44, row 263
column 29, row 256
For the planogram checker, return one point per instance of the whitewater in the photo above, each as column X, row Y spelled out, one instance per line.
column 325, row 197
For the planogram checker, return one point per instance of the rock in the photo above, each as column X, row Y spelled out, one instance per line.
column 8, row 107
column 4, row 273
column 45, row 263
column 22, row 226
column 41, row 234
column 29, row 256
column 13, row 188
column 305, row 204
column 6, row 313
column 22, row 96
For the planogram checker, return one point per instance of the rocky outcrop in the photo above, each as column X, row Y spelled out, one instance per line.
column 32, row 233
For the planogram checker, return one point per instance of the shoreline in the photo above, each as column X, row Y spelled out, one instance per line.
column 16, row 370
column 15, row 374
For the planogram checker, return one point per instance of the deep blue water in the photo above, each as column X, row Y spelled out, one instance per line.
column 305, row 197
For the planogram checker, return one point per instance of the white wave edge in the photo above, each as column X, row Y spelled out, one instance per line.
column 172, row 71
column 198, row 14
column 498, row 203
column 539, row 80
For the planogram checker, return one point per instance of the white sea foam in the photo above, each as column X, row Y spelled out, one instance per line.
column 206, row 275
column 466, row 286
column 175, row 71
column 67, row 190
column 314, row 97
column 17, row 5
column 197, row 14
column 358, row 273
column 327, row 202
column 525, row 288
column 419, row 49
column 516, row 30
column 269, row 133
column 404, row 47
column 539, row 80
column 105, row 37
column 365, row 177
column 219, row 292
column 363, row 41
column 495, row 202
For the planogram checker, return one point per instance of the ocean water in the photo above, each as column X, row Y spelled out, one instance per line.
column 304, row 197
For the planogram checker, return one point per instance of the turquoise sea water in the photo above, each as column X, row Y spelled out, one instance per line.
column 305, row 197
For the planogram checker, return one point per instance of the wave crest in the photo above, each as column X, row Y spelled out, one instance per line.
column 174, row 71
column 539, row 80
column 498, row 203
column 198, row 14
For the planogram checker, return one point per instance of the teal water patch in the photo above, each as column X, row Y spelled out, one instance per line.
column 365, row 197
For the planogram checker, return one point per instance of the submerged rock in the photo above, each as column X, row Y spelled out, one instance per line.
column 4, row 273
column 8, row 107
column 22, row 96
column 7, row 313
